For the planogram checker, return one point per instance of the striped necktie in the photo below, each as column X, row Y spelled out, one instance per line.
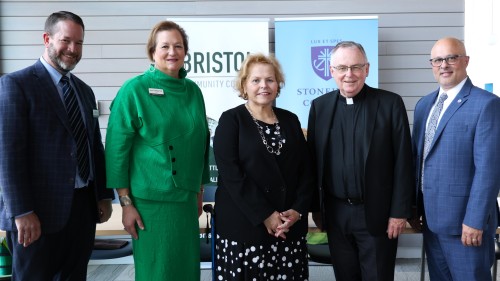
column 77, row 127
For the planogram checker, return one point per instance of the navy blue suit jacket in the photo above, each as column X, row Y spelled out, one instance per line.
column 461, row 176
column 37, row 149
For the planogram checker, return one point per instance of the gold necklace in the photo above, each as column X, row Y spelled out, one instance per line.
column 277, row 132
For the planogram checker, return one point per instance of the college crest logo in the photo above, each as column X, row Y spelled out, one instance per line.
column 320, row 60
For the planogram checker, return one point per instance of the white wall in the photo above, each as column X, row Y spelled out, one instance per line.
column 116, row 32
column 482, row 40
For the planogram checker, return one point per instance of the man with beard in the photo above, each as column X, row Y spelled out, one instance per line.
column 52, row 175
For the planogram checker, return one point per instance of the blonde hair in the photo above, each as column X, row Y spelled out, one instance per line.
column 251, row 60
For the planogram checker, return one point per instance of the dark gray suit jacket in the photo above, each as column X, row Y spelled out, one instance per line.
column 37, row 149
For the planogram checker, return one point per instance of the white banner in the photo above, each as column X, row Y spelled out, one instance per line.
column 217, row 48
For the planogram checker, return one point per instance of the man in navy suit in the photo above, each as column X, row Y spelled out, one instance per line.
column 457, row 170
column 52, row 188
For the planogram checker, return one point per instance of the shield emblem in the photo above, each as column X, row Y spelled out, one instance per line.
column 320, row 61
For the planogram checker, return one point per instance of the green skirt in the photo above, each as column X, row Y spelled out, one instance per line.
column 169, row 246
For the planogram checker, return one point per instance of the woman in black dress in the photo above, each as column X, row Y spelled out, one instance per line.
column 265, row 182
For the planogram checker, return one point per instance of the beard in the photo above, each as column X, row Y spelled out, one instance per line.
column 55, row 57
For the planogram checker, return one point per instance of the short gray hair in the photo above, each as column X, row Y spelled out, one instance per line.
column 347, row 44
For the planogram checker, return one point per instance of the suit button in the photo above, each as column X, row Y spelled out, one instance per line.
column 283, row 188
column 174, row 172
column 268, row 190
column 170, row 147
column 173, row 159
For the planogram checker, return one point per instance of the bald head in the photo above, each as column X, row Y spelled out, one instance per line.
column 452, row 70
column 450, row 42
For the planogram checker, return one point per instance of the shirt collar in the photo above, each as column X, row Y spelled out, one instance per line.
column 453, row 92
column 356, row 99
column 54, row 74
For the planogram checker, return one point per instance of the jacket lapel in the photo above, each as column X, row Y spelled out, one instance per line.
column 372, row 104
column 325, row 119
column 427, row 106
column 49, row 90
column 459, row 100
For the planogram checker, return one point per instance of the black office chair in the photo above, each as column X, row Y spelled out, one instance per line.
column 111, row 249
column 206, row 239
column 317, row 248
column 497, row 257
column 497, row 248
column 319, row 253
column 205, row 249
column 207, row 245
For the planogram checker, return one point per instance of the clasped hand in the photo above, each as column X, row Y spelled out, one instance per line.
column 277, row 224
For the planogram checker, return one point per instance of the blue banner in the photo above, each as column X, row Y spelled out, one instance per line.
column 303, row 48
column 488, row 87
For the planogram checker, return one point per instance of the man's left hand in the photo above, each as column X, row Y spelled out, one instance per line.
column 471, row 236
column 105, row 209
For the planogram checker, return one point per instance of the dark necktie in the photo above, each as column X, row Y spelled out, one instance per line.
column 78, row 128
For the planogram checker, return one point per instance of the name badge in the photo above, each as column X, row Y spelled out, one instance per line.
column 156, row 92
column 95, row 113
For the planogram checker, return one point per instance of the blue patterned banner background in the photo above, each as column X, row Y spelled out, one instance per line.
column 303, row 48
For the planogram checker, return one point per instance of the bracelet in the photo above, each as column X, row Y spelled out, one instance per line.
column 125, row 200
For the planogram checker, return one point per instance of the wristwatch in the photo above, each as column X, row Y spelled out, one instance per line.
column 125, row 200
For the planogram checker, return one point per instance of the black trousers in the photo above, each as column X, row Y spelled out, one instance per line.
column 356, row 254
column 63, row 255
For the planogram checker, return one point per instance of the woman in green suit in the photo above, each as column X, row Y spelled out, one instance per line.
column 157, row 146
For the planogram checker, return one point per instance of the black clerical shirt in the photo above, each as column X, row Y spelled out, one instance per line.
column 345, row 152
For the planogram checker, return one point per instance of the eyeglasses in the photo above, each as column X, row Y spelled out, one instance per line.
column 357, row 68
column 449, row 60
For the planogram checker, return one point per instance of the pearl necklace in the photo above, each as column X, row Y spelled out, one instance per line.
column 281, row 140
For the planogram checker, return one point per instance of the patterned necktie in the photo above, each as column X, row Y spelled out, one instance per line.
column 433, row 122
column 78, row 128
